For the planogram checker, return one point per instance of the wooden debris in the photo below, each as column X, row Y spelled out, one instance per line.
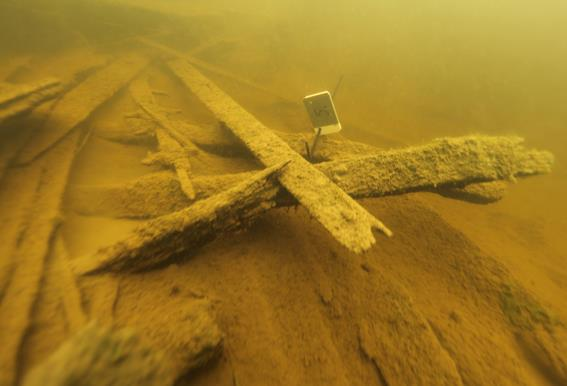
column 78, row 104
column 19, row 99
column 103, row 357
column 446, row 166
column 331, row 148
column 344, row 218
column 171, row 152
column 456, row 161
column 160, row 239
column 27, row 258
column 443, row 162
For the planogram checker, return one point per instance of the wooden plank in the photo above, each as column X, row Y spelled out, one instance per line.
column 78, row 104
column 349, row 223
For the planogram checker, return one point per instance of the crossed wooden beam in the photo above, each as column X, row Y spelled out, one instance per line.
column 325, row 189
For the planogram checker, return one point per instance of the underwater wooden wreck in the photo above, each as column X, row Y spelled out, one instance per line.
column 184, row 211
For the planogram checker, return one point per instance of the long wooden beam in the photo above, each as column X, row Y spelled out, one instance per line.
column 158, row 240
column 349, row 223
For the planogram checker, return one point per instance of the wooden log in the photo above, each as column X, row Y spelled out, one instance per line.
column 444, row 161
column 171, row 152
column 78, row 104
column 415, row 169
column 349, row 223
column 160, row 239
column 17, row 196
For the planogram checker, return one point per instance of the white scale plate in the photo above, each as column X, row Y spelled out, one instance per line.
column 322, row 112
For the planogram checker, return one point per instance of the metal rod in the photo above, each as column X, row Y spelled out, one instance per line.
column 315, row 141
column 340, row 81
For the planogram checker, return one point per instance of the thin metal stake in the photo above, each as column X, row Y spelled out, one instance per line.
column 337, row 86
column 315, row 141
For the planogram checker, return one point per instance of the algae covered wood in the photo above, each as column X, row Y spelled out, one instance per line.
column 449, row 166
column 180, row 232
column 344, row 218
column 78, row 104
column 444, row 161
column 449, row 161
column 171, row 152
